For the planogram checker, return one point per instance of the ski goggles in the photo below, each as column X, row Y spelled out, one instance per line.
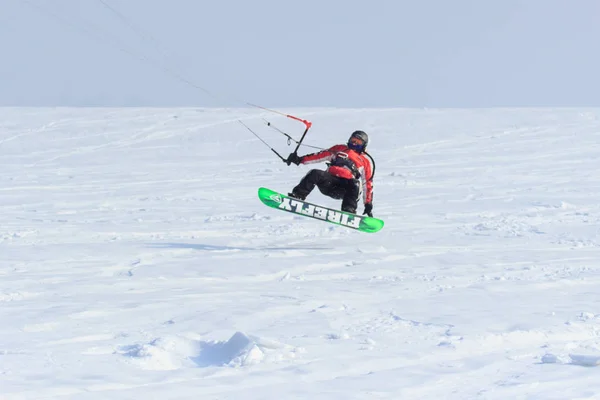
column 357, row 141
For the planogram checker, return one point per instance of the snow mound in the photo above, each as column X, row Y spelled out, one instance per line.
column 242, row 350
column 170, row 353
column 161, row 354
column 550, row 359
column 585, row 360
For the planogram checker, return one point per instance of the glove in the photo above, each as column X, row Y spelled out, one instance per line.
column 368, row 209
column 293, row 158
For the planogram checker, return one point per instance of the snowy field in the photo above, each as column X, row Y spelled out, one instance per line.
column 137, row 262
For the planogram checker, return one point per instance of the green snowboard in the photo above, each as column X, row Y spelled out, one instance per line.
column 299, row 207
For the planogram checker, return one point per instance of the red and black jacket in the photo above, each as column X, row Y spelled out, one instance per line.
column 346, row 163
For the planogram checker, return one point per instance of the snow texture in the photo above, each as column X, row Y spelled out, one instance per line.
column 136, row 260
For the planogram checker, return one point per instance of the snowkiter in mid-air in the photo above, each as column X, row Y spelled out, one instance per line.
column 349, row 173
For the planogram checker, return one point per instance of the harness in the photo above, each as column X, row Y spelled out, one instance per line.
column 342, row 160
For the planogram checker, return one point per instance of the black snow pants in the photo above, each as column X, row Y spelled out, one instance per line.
column 332, row 186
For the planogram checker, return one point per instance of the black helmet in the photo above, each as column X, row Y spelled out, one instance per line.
column 358, row 141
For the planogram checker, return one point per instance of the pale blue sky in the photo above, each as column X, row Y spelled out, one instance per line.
column 342, row 53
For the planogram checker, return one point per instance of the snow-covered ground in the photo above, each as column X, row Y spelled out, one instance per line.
column 136, row 261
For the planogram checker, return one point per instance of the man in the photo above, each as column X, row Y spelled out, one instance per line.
column 349, row 173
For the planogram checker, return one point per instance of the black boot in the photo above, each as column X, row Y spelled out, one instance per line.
column 349, row 209
column 296, row 195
